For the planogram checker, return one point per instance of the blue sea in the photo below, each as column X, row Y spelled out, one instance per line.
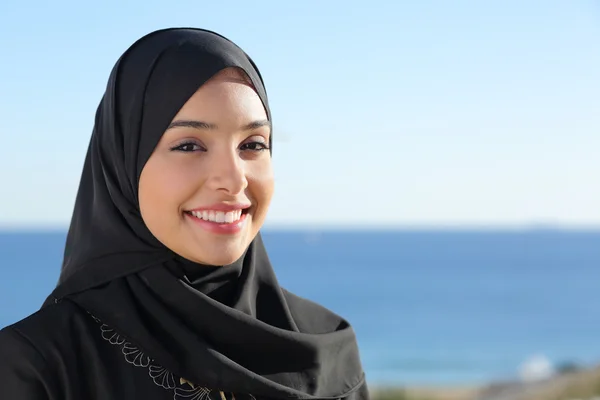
column 428, row 307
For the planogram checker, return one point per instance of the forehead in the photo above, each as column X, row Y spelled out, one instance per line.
column 227, row 100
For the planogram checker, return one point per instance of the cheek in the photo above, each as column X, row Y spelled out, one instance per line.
column 261, row 183
column 164, row 188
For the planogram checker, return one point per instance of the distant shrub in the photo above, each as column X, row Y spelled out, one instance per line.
column 567, row 367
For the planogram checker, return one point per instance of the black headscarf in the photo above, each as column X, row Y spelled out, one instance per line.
column 232, row 327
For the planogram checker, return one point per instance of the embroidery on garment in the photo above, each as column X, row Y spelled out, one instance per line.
column 181, row 387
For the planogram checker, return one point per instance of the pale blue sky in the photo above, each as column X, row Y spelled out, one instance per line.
column 386, row 112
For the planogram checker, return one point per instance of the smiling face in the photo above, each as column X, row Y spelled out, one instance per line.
column 206, row 188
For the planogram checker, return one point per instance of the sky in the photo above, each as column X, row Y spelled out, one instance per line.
column 386, row 113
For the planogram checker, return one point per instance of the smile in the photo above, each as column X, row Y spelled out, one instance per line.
column 229, row 221
column 220, row 217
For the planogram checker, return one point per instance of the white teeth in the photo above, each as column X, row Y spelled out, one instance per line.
column 219, row 217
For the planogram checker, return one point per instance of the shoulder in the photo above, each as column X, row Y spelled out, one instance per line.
column 24, row 374
column 51, row 322
column 41, row 334
column 24, row 371
column 53, row 331
column 15, row 348
column 32, row 350
column 30, row 333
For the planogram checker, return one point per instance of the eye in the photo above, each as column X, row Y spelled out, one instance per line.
column 188, row 147
column 255, row 146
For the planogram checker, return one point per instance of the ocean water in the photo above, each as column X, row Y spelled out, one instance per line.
column 428, row 307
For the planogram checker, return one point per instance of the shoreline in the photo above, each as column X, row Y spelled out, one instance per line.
column 580, row 384
column 433, row 392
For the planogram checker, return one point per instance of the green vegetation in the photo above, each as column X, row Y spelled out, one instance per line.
column 567, row 367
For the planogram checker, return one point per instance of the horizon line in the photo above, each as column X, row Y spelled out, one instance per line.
column 323, row 227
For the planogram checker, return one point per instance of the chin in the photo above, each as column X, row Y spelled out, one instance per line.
column 218, row 259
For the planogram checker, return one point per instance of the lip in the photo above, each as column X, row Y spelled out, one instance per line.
column 219, row 228
column 223, row 207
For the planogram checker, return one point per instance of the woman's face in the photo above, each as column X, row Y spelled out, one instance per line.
column 206, row 188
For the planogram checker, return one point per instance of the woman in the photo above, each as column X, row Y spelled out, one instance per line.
column 166, row 289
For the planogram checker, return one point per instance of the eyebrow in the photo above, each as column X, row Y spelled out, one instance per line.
column 207, row 126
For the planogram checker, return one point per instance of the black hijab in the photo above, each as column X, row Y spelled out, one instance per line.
column 231, row 328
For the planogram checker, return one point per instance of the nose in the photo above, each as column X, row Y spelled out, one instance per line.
column 227, row 173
